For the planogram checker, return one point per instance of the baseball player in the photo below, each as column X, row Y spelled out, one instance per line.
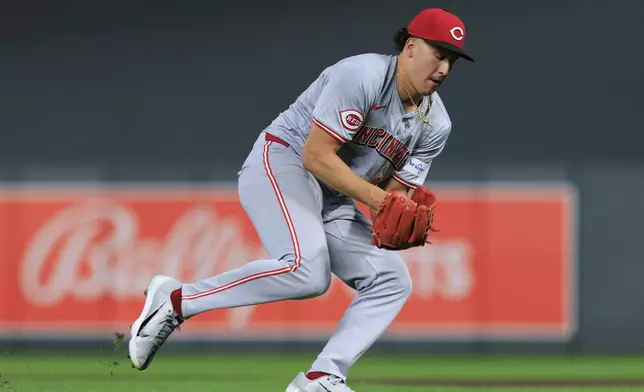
column 367, row 130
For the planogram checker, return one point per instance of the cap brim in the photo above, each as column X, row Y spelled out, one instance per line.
column 452, row 48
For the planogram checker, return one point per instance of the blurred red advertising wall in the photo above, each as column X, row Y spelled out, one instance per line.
column 77, row 259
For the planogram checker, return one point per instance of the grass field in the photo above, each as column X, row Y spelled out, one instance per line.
column 264, row 372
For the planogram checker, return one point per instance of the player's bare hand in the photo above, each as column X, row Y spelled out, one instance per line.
column 377, row 197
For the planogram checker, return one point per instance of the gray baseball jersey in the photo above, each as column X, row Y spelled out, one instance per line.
column 356, row 102
column 310, row 232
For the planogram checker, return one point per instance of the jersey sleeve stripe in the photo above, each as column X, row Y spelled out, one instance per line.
column 291, row 228
column 404, row 182
column 330, row 131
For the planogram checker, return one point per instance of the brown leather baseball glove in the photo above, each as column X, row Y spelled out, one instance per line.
column 403, row 222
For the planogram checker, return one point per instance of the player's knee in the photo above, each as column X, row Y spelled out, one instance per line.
column 314, row 272
column 319, row 285
column 314, row 286
column 319, row 274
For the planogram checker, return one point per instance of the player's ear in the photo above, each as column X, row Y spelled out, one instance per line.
column 411, row 45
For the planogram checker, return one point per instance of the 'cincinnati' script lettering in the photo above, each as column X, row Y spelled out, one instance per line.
column 384, row 142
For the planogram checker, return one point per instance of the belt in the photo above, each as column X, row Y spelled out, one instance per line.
column 273, row 138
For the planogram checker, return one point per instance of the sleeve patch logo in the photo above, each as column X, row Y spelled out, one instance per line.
column 416, row 167
column 351, row 119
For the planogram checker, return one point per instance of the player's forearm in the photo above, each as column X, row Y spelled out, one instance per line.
column 330, row 169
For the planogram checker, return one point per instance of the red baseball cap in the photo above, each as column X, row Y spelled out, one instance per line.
column 440, row 28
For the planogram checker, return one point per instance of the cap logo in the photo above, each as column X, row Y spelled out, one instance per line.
column 457, row 33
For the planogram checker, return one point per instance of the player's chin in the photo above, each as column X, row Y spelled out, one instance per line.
column 430, row 91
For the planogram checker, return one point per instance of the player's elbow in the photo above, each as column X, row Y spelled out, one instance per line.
column 312, row 158
column 308, row 160
column 319, row 149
